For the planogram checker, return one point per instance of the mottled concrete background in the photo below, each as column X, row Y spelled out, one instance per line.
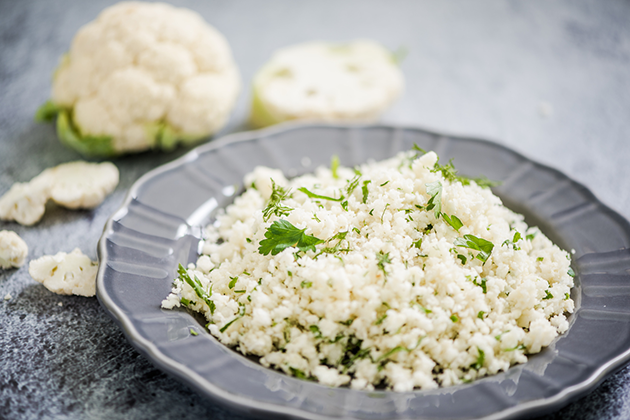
column 549, row 79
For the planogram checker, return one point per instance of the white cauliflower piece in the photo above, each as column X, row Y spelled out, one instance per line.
column 73, row 185
column 142, row 76
column 25, row 202
column 13, row 250
column 326, row 82
column 66, row 274
column 81, row 184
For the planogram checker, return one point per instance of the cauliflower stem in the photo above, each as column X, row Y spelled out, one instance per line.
column 165, row 137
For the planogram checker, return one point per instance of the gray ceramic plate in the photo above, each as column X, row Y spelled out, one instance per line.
column 160, row 225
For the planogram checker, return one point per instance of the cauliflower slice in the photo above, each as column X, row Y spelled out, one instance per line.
column 73, row 185
column 66, row 274
column 13, row 250
column 142, row 76
column 326, row 82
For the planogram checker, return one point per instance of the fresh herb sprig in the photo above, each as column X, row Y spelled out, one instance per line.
column 197, row 287
column 319, row 197
column 434, row 189
column 477, row 244
column 282, row 234
column 275, row 207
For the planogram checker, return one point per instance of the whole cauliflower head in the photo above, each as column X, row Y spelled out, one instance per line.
column 317, row 81
column 142, row 76
column 13, row 249
column 66, row 274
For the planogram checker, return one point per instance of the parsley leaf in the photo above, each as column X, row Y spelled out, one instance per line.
column 352, row 184
column 241, row 314
column 478, row 244
column 434, row 189
column 334, row 166
column 364, row 189
column 233, row 281
column 282, row 234
column 274, row 207
column 320, row 197
column 333, row 250
column 450, row 173
column 571, row 272
column 197, row 287
column 418, row 149
column 453, row 221
column 481, row 358
column 382, row 259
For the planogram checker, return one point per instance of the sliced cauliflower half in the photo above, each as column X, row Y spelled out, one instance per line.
column 66, row 274
column 73, row 185
column 142, row 76
column 318, row 81
column 13, row 250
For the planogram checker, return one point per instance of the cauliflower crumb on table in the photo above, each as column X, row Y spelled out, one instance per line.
column 13, row 250
column 399, row 273
column 66, row 274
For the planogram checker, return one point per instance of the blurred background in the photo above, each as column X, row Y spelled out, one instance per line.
column 548, row 79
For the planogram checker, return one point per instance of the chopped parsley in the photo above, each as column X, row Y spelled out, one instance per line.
column 434, row 189
column 306, row 284
column 547, row 295
column 233, row 282
column 197, row 287
column 450, row 173
column 384, row 183
column 364, row 190
column 334, row 166
column 315, row 330
column 453, row 221
column 481, row 358
column 540, row 259
column 352, row 184
column 462, row 258
column 480, row 314
column 241, row 314
column 282, row 234
column 454, row 318
column 517, row 237
column 319, row 197
column 530, row 236
column 382, row 259
column 571, row 272
column 477, row 244
column 193, row 332
column 274, row 206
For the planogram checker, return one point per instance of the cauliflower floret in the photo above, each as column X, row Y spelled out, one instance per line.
column 73, row 185
column 13, row 250
column 326, row 82
column 81, row 184
column 25, row 202
column 141, row 76
column 66, row 274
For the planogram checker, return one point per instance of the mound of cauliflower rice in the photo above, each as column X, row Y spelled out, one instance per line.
column 397, row 274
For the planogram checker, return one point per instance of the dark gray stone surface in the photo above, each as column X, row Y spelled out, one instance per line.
column 549, row 79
